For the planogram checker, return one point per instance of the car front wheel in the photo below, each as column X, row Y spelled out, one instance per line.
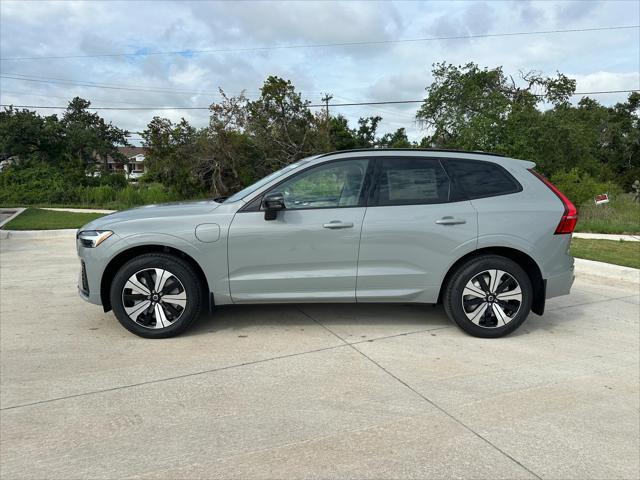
column 156, row 295
column 488, row 296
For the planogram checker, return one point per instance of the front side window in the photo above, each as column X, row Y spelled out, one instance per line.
column 333, row 185
column 411, row 181
column 262, row 182
column 479, row 179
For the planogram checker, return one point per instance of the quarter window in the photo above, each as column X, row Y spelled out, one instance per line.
column 333, row 185
column 479, row 179
column 411, row 181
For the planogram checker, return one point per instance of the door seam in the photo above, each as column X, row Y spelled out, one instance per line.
column 355, row 293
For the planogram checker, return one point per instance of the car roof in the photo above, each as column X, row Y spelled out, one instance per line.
column 431, row 152
column 435, row 150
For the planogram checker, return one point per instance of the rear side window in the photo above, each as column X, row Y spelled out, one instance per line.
column 478, row 179
column 410, row 181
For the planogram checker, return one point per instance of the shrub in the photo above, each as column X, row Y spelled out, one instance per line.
column 39, row 183
column 157, row 193
column 620, row 215
column 100, row 195
column 115, row 180
column 581, row 187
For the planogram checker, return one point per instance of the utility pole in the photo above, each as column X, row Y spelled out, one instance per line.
column 326, row 100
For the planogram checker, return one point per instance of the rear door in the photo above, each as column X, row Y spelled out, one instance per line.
column 413, row 230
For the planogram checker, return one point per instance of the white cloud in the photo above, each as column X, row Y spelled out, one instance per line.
column 598, row 81
column 598, row 60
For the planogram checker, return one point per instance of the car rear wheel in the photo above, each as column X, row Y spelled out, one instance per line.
column 156, row 295
column 489, row 296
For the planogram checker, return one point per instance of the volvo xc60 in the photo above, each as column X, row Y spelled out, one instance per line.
column 484, row 235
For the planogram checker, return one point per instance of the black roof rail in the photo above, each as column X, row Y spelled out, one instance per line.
column 436, row 150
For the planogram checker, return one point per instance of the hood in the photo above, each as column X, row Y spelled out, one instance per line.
column 164, row 210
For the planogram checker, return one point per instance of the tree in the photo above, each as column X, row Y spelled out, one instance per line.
column 171, row 151
column 281, row 124
column 621, row 140
column 232, row 159
column 483, row 109
column 88, row 137
column 341, row 137
column 367, row 130
column 397, row 139
column 468, row 107
column 26, row 135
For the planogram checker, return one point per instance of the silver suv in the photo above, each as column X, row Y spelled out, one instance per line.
column 484, row 235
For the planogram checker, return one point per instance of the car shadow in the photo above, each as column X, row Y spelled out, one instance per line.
column 407, row 317
column 391, row 318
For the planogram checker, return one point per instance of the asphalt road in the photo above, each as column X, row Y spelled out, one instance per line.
column 317, row 391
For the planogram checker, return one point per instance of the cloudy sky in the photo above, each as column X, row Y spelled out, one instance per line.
column 89, row 32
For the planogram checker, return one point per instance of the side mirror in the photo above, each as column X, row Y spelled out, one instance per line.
column 271, row 204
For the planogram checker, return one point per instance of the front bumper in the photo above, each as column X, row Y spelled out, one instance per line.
column 93, row 262
column 87, row 295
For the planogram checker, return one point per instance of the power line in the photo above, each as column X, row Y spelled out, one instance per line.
column 30, row 78
column 323, row 105
column 3, row 92
column 381, row 110
column 82, row 83
column 114, row 86
column 321, row 45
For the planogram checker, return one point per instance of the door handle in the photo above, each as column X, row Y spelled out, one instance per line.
column 337, row 224
column 450, row 221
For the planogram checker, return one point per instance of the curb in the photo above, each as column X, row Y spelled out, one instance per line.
column 78, row 210
column 35, row 234
column 18, row 211
column 607, row 236
column 607, row 270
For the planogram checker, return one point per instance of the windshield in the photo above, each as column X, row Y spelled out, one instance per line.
column 260, row 183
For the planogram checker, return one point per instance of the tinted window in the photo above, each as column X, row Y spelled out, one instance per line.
column 336, row 184
column 411, row 181
column 481, row 179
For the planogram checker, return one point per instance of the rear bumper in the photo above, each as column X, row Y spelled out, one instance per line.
column 560, row 284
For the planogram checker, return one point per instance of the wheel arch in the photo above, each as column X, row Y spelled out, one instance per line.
column 529, row 265
column 124, row 256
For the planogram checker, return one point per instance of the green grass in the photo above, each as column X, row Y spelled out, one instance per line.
column 621, row 215
column 37, row 219
column 610, row 251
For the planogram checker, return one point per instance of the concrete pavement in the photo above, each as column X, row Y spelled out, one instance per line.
column 322, row 391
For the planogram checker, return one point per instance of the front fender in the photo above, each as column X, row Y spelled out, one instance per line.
column 210, row 257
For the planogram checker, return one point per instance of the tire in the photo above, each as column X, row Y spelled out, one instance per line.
column 156, row 314
column 495, row 283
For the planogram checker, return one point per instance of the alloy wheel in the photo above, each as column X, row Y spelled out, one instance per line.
column 154, row 298
column 492, row 298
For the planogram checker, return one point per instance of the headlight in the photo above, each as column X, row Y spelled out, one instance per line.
column 93, row 238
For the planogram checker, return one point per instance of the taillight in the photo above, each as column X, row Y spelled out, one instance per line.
column 570, row 217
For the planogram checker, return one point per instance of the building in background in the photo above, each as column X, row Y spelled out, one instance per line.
column 133, row 168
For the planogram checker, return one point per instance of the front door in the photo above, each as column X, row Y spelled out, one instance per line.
column 310, row 251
